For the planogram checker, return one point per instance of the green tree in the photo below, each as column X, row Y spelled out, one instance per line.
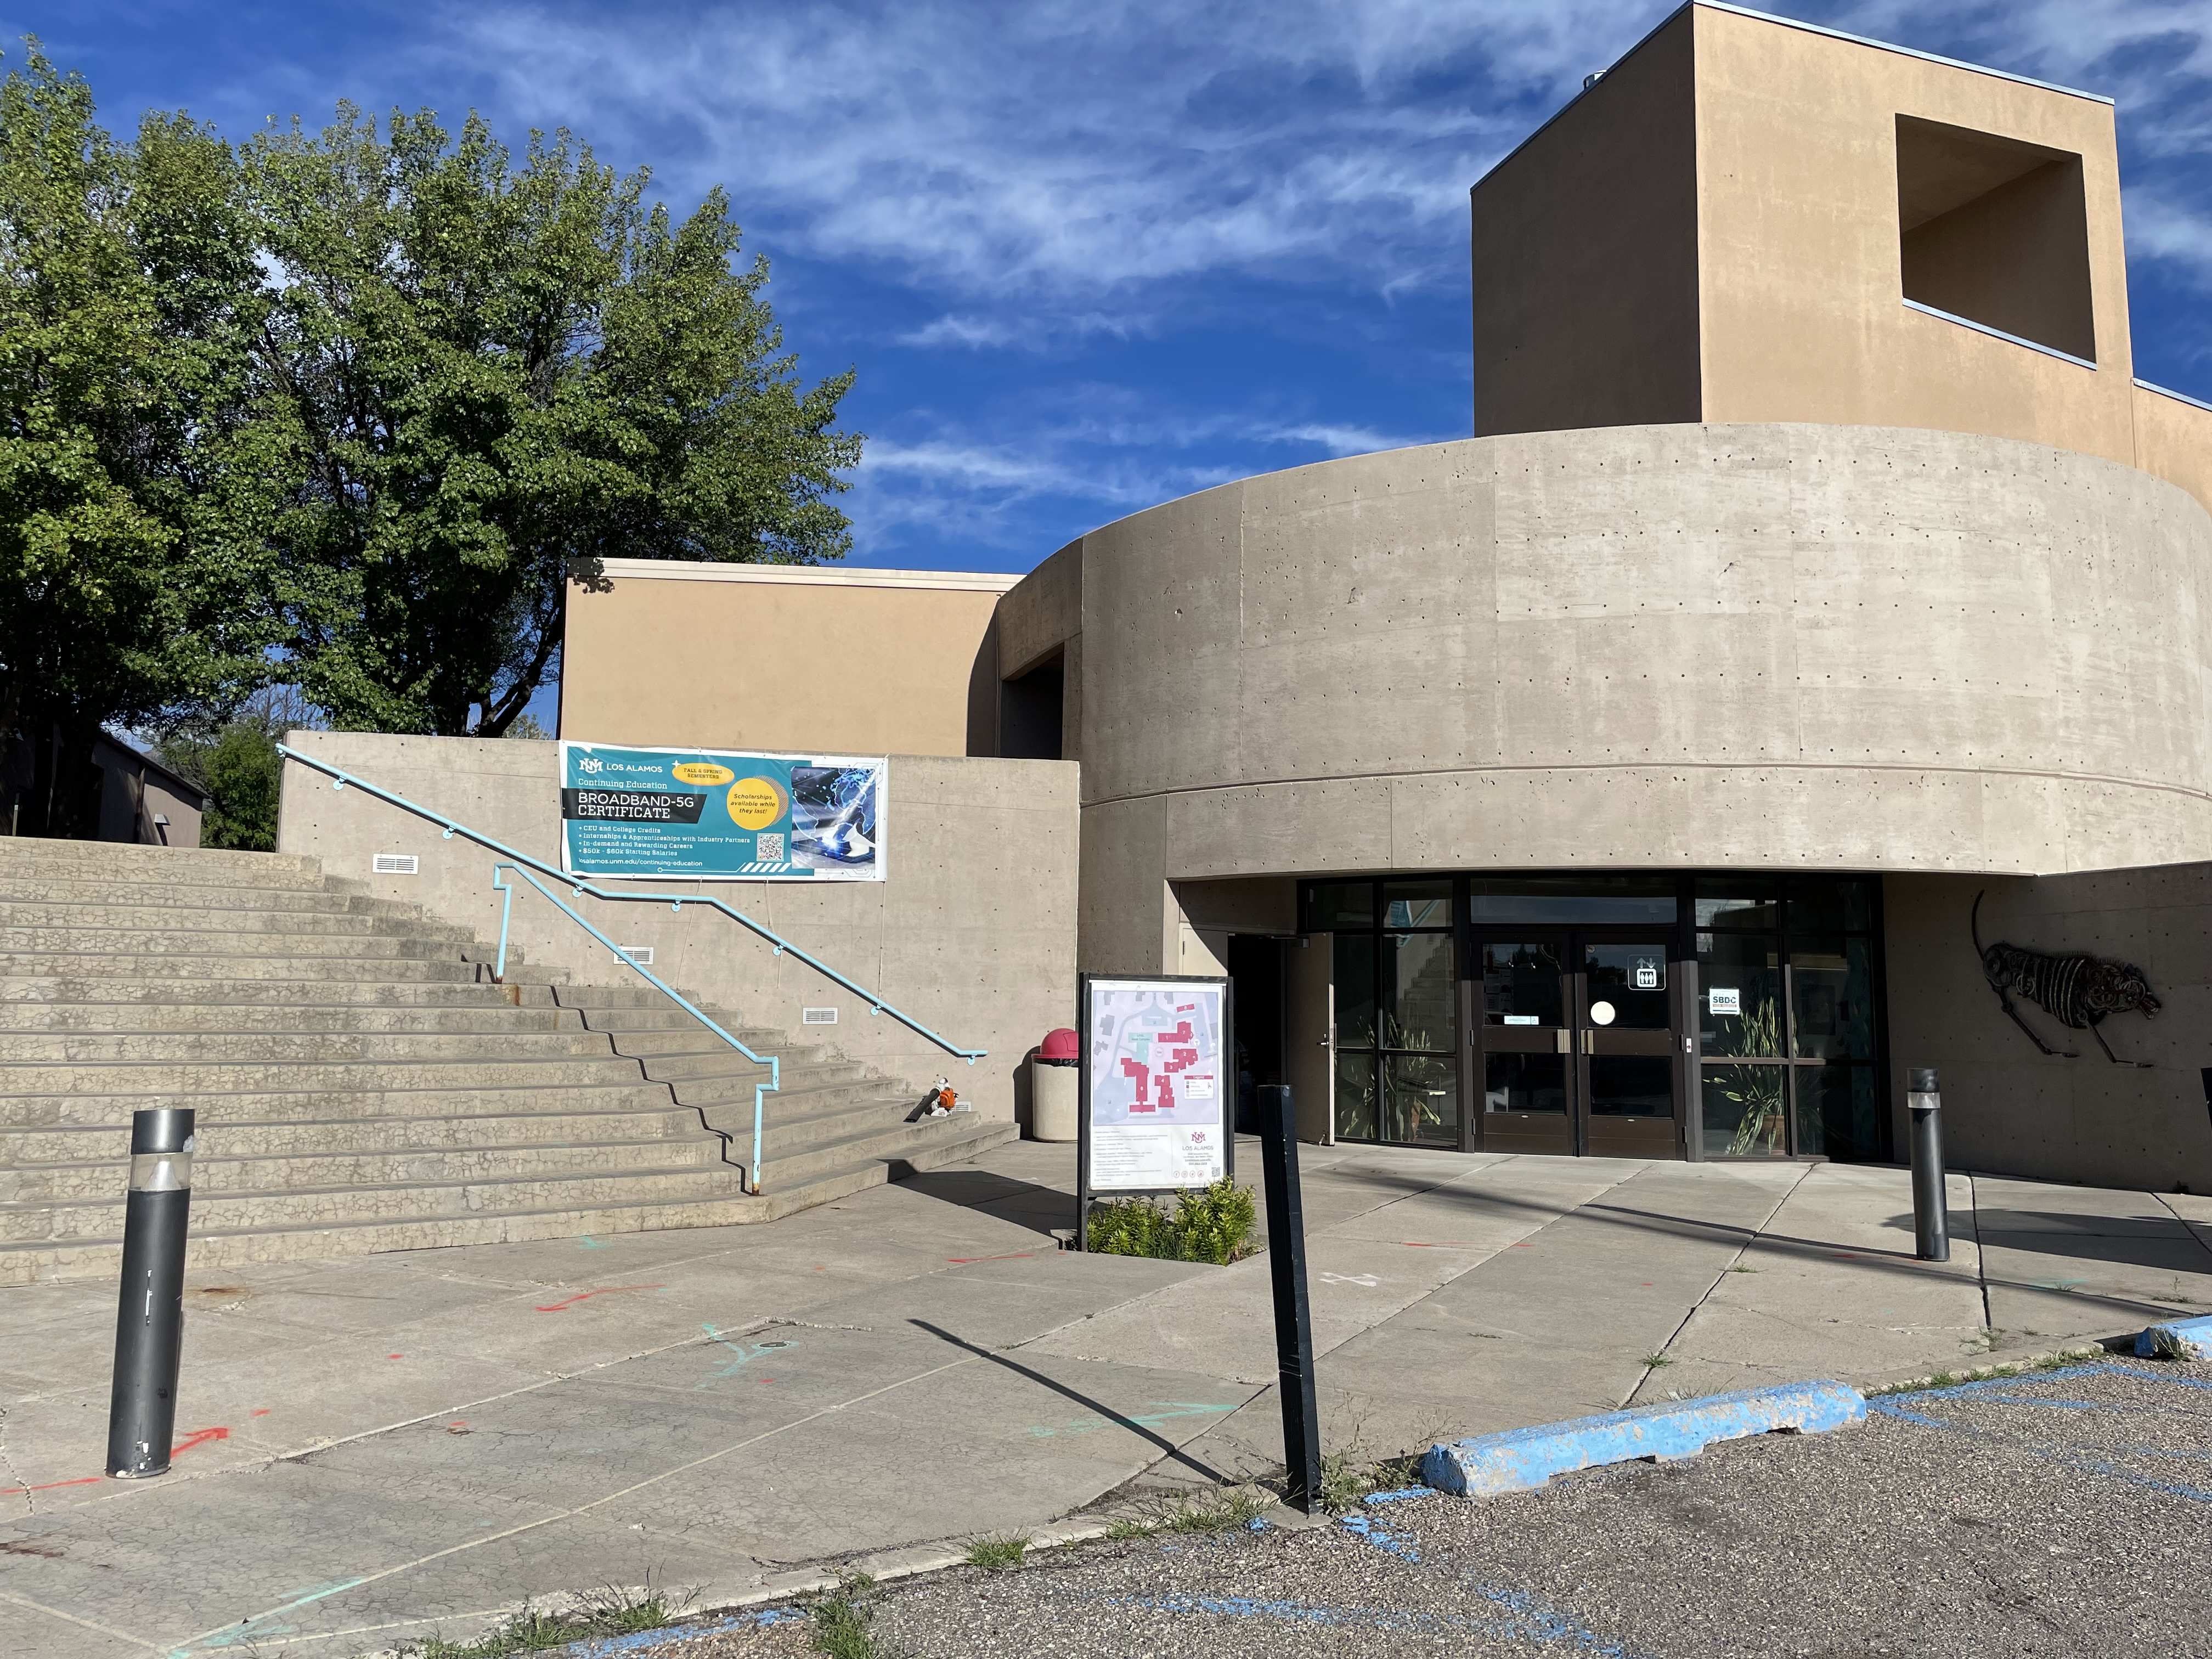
column 128, row 294
column 484, row 376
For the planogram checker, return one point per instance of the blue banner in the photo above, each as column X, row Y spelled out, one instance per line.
column 704, row 815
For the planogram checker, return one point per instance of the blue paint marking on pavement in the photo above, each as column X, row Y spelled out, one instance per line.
column 1527, row 1616
column 267, row 1624
column 644, row 1641
column 745, row 1356
column 2083, row 1459
column 1403, row 1495
column 2177, row 1338
column 1403, row 1548
column 1521, row 1459
column 1165, row 1411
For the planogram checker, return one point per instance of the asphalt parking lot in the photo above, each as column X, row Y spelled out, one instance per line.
column 2061, row 1512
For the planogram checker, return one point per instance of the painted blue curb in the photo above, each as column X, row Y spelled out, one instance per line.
column 1521, row 1459
column 2177, row 1339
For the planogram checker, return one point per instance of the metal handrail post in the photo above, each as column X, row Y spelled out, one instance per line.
column 774, row 1063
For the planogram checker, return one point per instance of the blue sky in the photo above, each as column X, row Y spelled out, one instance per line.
column 1089, row 257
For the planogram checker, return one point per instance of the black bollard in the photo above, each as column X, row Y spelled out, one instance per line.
column 1930, row 1222
column 1286, row 1266
column 150, row 1316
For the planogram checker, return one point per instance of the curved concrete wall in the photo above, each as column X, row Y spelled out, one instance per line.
column 1676, row 646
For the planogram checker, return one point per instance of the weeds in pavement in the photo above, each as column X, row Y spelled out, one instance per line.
column 1652, row 1362
column 611, row 1611
column 1349, row 1475
column 1216, row 1510
column 1740, row 1268
column 995, row 1553
column 2049, row 1362
column 1216, row 1224
column 844, row 1621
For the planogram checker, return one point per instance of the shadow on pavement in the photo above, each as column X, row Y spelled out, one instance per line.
column 1024, row 1203
column 1106, row 1412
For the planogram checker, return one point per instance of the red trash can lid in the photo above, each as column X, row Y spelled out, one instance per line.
column 1058, row 1045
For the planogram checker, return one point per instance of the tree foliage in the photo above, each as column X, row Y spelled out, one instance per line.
column 344, row 410
column 129, row 296
column 484, row 373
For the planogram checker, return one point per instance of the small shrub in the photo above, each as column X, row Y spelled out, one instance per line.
column 842, row 1618
column 1216, row 1223
column 995, row 1553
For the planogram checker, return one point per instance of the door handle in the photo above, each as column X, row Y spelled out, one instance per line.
column 1589, row 1043
column 1561, row 1034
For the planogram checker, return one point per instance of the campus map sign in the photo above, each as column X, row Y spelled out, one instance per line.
column 706, row 816
column 1157, row 1080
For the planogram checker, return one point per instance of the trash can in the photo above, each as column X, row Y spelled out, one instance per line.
column 1053, row 1076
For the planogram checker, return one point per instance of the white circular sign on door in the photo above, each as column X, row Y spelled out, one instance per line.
column 1601, row 1013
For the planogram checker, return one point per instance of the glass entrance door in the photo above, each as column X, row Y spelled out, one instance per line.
column 1576, row 1043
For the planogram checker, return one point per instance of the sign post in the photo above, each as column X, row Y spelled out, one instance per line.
column 1157, row 1077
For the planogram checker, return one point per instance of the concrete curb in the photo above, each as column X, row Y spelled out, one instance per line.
column 1521, row 1460
column 2177, row 1338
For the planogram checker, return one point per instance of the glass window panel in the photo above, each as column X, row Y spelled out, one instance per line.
column 1739, row 994
column 1745, row 1110
column 1331, row 905
column 1632, row 1085
column 1355, row 990
column 1524, row 1083
column 1627, row 986
column 1559, row 900
column 1832, row 983
column 1831, row 904
column 1357, row 1115
column 1521, row 984
column 1739, row 902
column 1836, row 1111
column 1417, row 904
column 1421, row 991
column 1421, row 1100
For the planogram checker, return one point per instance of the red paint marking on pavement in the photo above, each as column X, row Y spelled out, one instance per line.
column 962, row 1260
column 261, row 1411
column 395, row 1356
column 586, row 1295
column 199, row 1438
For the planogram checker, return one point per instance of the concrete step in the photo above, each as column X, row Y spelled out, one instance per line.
column 346, row 1203
column 490, row 1014
column 241, row 920
column 96, row 1255
column 217, row 968
column 106, row 859
column 849, row 1077
column 697, row 1043
column 220, row 1077
column 321, row 1047
column 369, row 1169
column 89, row 1108
column 31, row 992
column 182, row 898
column 108, row 1143
column 878, row 1142
column 305, row 942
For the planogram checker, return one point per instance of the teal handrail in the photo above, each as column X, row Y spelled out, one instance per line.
column 675, row 901
column 775, row 1065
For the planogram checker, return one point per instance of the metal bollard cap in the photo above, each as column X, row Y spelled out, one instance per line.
column 162, row 1129
column 1920, row 1081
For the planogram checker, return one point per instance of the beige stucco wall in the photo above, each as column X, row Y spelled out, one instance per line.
column 1800, row 285
column 1585, row 257
column 2008, row 1108
column 781, row 658
column 972, row 933
column 2174, row 440
column 1682, row 647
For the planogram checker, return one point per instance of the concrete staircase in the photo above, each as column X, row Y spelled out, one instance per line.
column 362, row 1084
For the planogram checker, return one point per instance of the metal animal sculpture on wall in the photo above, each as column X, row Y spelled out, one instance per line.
column 2076, row 989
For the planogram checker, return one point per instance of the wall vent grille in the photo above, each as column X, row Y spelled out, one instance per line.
column 395, row 864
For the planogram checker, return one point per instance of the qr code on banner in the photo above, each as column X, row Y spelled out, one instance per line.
column 768, row 850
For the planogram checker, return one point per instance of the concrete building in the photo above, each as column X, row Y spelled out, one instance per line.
column 1625, row 778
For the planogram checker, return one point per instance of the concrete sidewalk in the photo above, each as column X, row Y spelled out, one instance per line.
column 383, row 1447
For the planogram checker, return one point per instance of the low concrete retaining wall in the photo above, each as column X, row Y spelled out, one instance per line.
column 973, row 932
